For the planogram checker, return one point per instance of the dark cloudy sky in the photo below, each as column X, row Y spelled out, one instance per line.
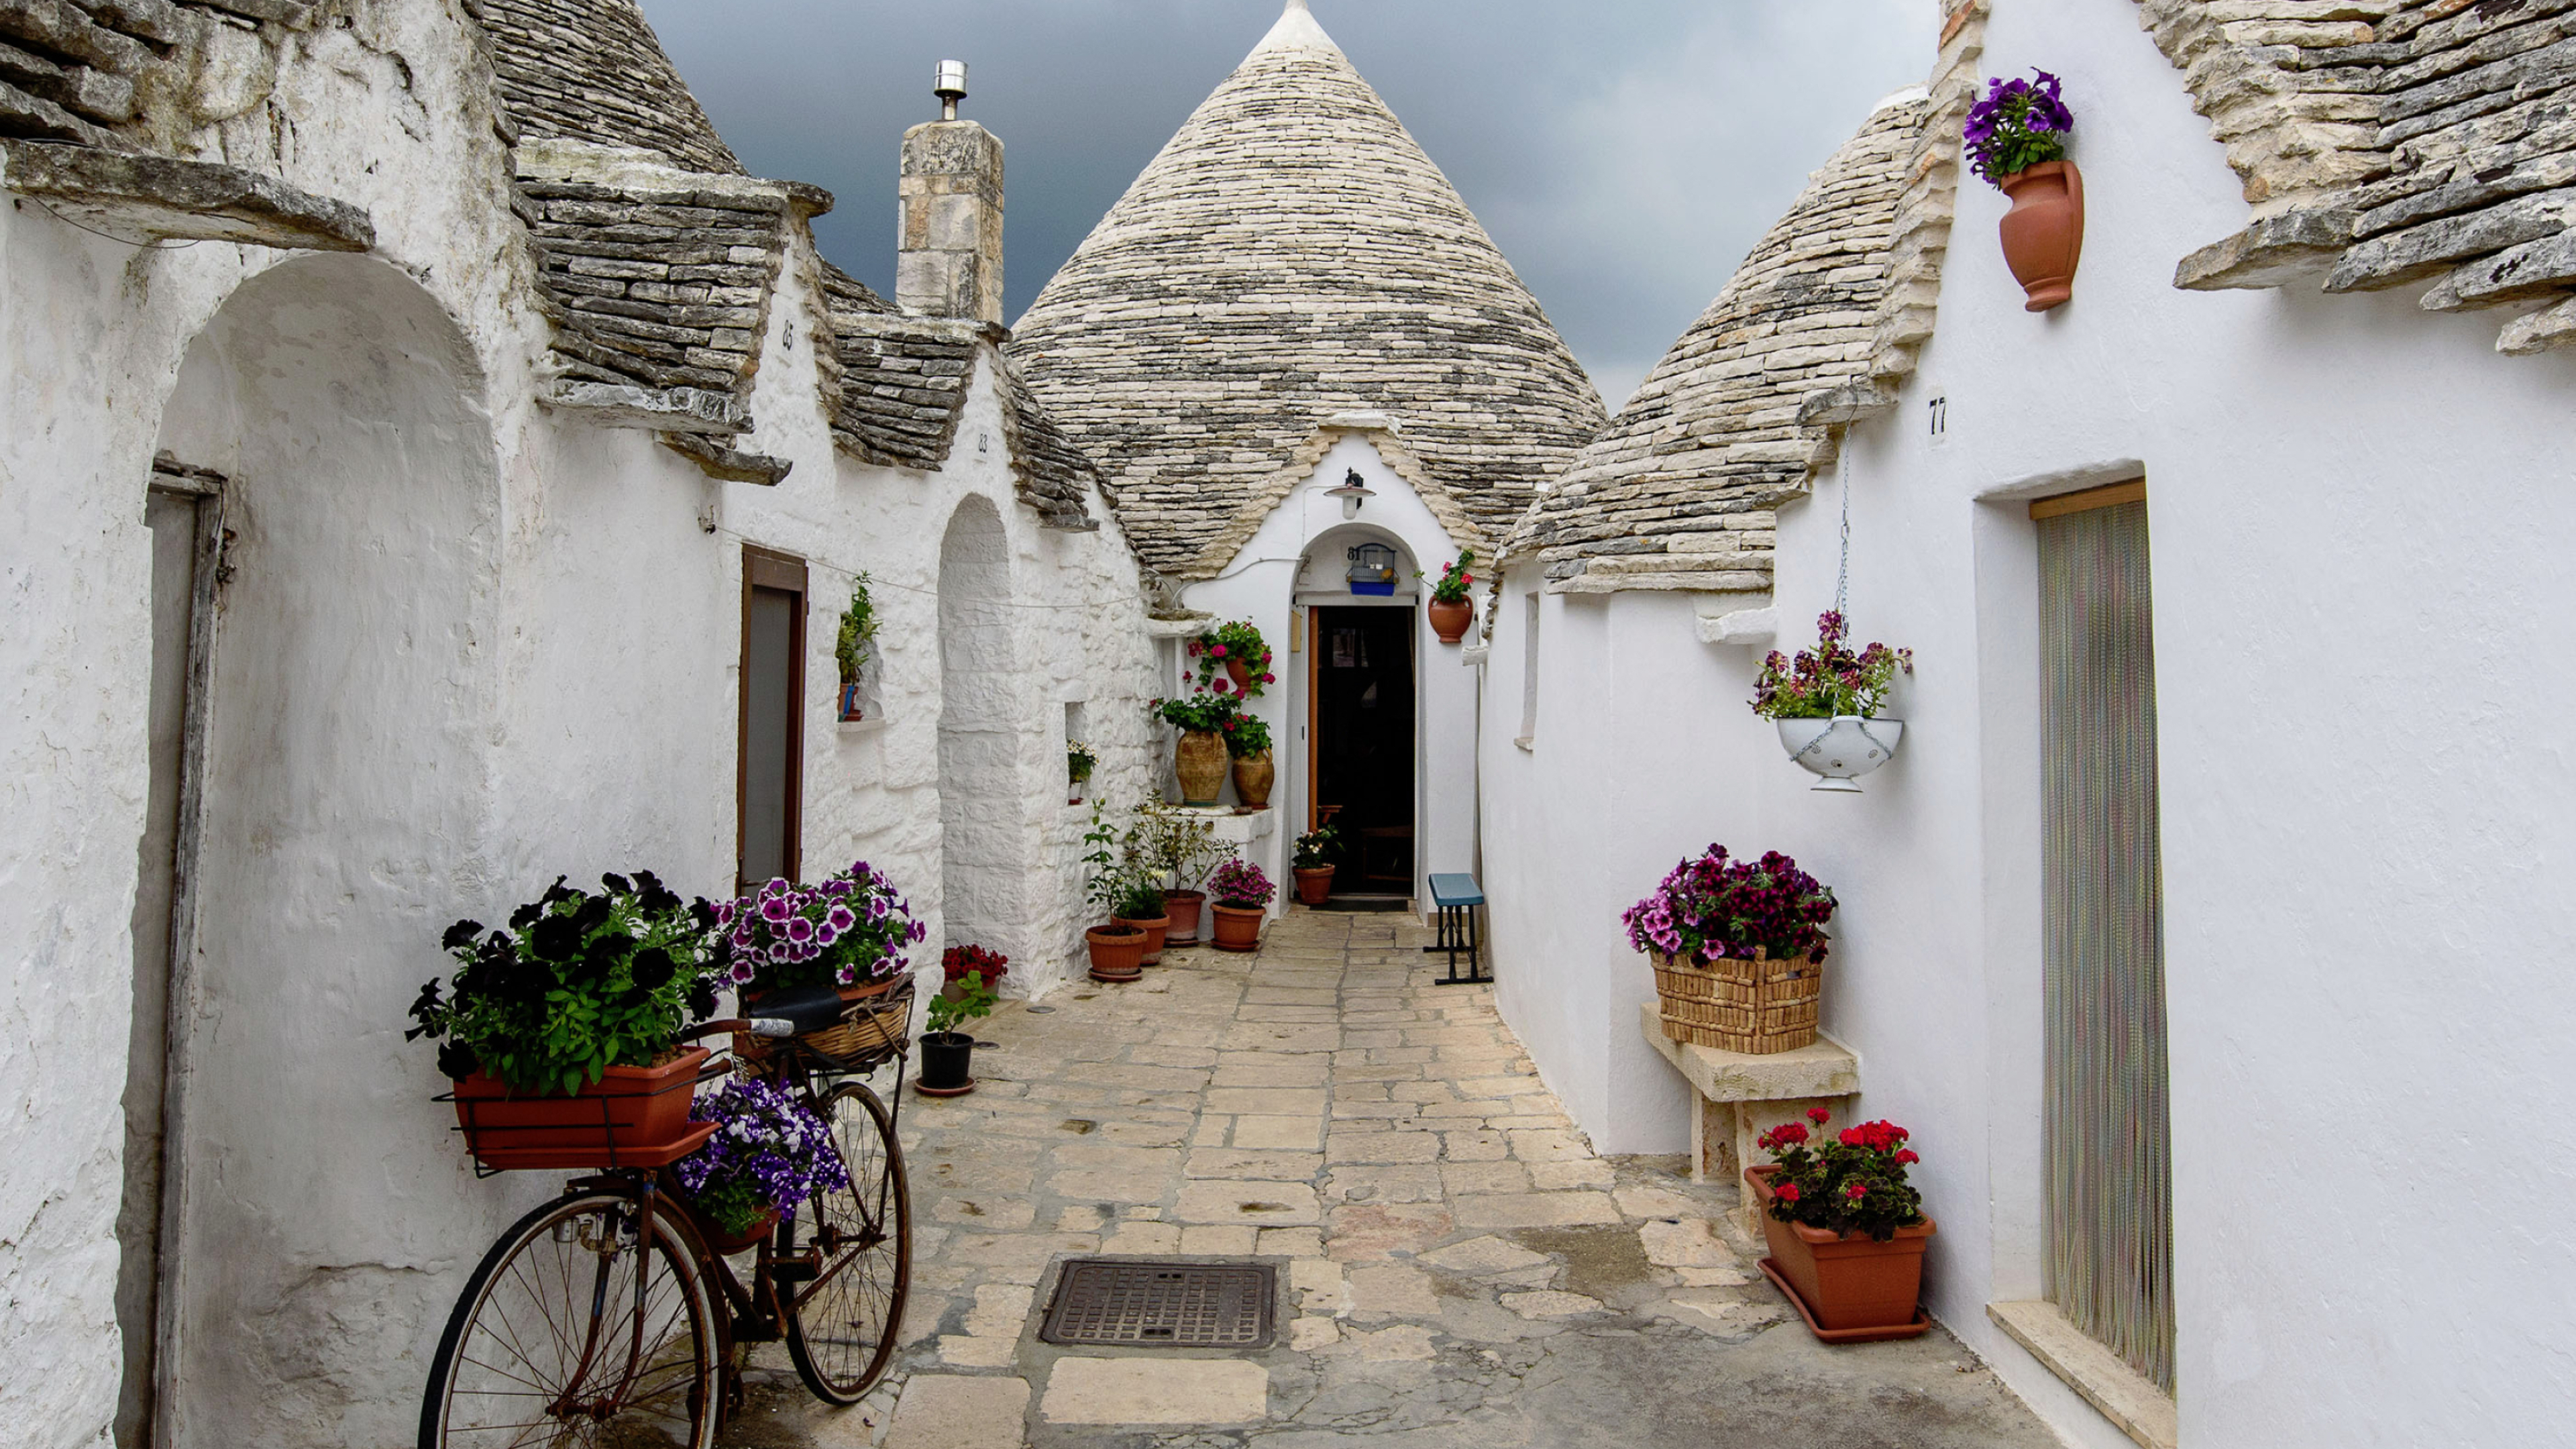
column 1624, row 153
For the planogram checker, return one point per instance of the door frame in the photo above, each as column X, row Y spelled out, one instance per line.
column 1310, row 611
column 764, row 568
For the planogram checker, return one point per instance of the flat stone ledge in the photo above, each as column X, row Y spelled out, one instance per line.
column 1826, row 1069
column 2273, row 252
column 728, row 464
column 2123, row 1395
column 147, row 199
column 1741, row 628
column 666, row 409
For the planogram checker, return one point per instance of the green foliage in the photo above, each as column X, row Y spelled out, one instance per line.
column 1855, row 1183
column 1199, row 712
column 858, row 630
column 1106, row 887
column 579, row 983
column 966, row 999
column 1246, row 735
column 1179, row 847
column 1829, row 680
column 1079, row 761
column 1232, row 642
column 1319, row 848
column 1454, row 581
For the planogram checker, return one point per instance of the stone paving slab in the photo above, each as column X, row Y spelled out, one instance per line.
column 1458, row 1268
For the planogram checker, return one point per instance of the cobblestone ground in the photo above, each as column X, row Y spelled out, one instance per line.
column 1459, row 1268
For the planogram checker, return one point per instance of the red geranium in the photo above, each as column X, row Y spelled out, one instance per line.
column 1853, row 1184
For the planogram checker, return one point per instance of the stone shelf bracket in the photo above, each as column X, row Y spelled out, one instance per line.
column 728, row 464
column 1736, row 628
column 661, row 409
column 1735, row 1098
column 148, row 199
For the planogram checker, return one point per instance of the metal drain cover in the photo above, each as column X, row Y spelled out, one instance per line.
column 1141, row 1303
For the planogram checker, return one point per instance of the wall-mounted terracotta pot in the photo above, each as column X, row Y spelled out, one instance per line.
column 1450, row 621
column 1200, row 761
column 1253, row 777
column 2044, row 231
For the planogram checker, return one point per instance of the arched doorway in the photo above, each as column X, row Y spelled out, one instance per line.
column 308, row 1222
column 982, row 811
column 1358, row 700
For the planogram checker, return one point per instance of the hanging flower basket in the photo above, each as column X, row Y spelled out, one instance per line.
column 1826, row 702
column 1842, row 749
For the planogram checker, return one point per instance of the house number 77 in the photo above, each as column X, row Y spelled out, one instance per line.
column 1939, row 411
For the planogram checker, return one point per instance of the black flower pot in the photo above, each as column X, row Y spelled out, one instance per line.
column 947, row 1063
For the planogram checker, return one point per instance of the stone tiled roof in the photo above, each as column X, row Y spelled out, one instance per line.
column 900, row 383
column 1290, row 255
column 2394, row 143
column 592, row 70
column 113, row 73
column 1678, row 491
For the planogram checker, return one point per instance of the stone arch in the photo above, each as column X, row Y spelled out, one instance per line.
column 984, row 859
column 306, row 1220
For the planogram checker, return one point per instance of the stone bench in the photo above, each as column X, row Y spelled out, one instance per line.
column 1736, row 1098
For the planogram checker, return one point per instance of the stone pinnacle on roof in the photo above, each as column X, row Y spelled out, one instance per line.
column 1292, row 255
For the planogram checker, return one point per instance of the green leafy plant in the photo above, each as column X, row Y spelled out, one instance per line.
column 1853, row 1184
column 858, row 630
column 1105, row 886
column 966, row 999
column 1829, row 680
column 2018, row 125
column 1079, row 761
column 1246, row 735
column 1232, row 642
column 1180, row 847
column 1143, row 901
column 1198, row 712
column 1454, row 581
column 1319, row 848
column 577, row 984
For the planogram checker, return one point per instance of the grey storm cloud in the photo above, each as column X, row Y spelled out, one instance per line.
column 1625, row 154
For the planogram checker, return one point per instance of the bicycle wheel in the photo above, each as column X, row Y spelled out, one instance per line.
column 567, row 1337
column 843, row 1326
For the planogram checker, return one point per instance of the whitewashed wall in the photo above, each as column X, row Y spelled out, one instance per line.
column 2360, row 523
column 528, row 622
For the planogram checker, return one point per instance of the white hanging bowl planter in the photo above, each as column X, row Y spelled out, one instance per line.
column 1841, row 749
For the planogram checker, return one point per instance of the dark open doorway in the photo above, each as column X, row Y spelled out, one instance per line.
column 1362, row 696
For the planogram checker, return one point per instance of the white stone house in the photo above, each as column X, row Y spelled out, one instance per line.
column 2336, row 1040
column 510, row 442
column 1292, row 299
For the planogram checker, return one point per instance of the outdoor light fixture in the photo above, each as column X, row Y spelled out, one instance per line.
column 1353, row 492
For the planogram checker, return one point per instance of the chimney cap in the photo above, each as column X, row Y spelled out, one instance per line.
column 949, row 84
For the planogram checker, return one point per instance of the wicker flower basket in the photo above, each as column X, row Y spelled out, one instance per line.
column 1756, row 1006
column 875, row 1023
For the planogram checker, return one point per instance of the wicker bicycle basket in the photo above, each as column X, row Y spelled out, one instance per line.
column 1755, row 1006
column 871, row 1028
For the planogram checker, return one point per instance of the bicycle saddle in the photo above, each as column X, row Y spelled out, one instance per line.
column 812, row 1008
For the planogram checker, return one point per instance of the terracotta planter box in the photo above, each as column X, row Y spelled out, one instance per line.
column 1182, row 909
column 1155, row 932
column 1314, row 883
column 1846, row 1282
column 630, row 1117
column 1117, row 952
column 1238, row 929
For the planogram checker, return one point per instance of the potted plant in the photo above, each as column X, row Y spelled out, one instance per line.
column 1141, row 906
column 1739, row 951
column 1314, row 864
column 1825, row 704
column 1180, row 848
column 2016, row 139
column 1117, row 949
column 1079, row 762
column 1451, row 611
column 1845, row 1228
column 858, row 631
column 1247, row 740
column 947, row 1054
column 1240, row 895
column 1236, row 649
column 957, row 961
column 850, row 931
column 1200, row 757
column 579, row 999
column 768, row 1154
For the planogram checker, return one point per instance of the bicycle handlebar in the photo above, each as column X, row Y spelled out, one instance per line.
column 770, row 1026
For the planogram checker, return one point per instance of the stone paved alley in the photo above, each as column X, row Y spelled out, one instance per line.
column 1461, row 1269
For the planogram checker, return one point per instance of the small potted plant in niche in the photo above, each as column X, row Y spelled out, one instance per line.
column 2016, row 139
column 947, row 1054
column 1825, row 704
column 1079, row 762
column 1450, row 609
column 851, row 932
column 1180, row 848
column 1739, row 951
column 580, row 998
column 1117, row 949
column 1247, row 739
column 858, row 632
column 1845, row 1228
column 1200, row 758
column 1240, row 895
column 1234, row 648
column 769, row 1154
column 1317, row 851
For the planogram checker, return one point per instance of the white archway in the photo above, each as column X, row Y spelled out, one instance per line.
column 984, row 858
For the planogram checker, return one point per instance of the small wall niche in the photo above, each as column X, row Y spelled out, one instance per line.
column 1076, row 730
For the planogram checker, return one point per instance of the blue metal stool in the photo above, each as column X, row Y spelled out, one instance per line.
column 1457, row 897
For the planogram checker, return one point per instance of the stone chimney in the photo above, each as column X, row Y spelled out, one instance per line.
column 950, row 235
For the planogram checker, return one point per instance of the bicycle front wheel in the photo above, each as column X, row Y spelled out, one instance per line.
column 569, row 1337
column 844, row 1324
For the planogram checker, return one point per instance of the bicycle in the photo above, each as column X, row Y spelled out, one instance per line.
column 595, row 1319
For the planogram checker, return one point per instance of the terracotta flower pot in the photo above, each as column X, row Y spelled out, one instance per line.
column 1155, row 930
column 1182, row 909
column 1450, row 621
column 1847, row 1280
column 1314, row 883
column 1239, row 672
column 629, row 1115
column 1200, row 760
column 1237, row 929
column 1116, row 952
column 2044, row 231
column 850, row 700
column 744, row 1241
column 1253, row 777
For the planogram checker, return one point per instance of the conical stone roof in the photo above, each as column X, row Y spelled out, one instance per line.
column 1290, row 255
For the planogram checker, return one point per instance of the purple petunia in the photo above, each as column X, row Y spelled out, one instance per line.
column 775, row 909
column 800, row 930
column 840, row 919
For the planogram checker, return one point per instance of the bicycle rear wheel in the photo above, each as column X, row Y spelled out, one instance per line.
column 843, row 1326
column 566, row 1337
